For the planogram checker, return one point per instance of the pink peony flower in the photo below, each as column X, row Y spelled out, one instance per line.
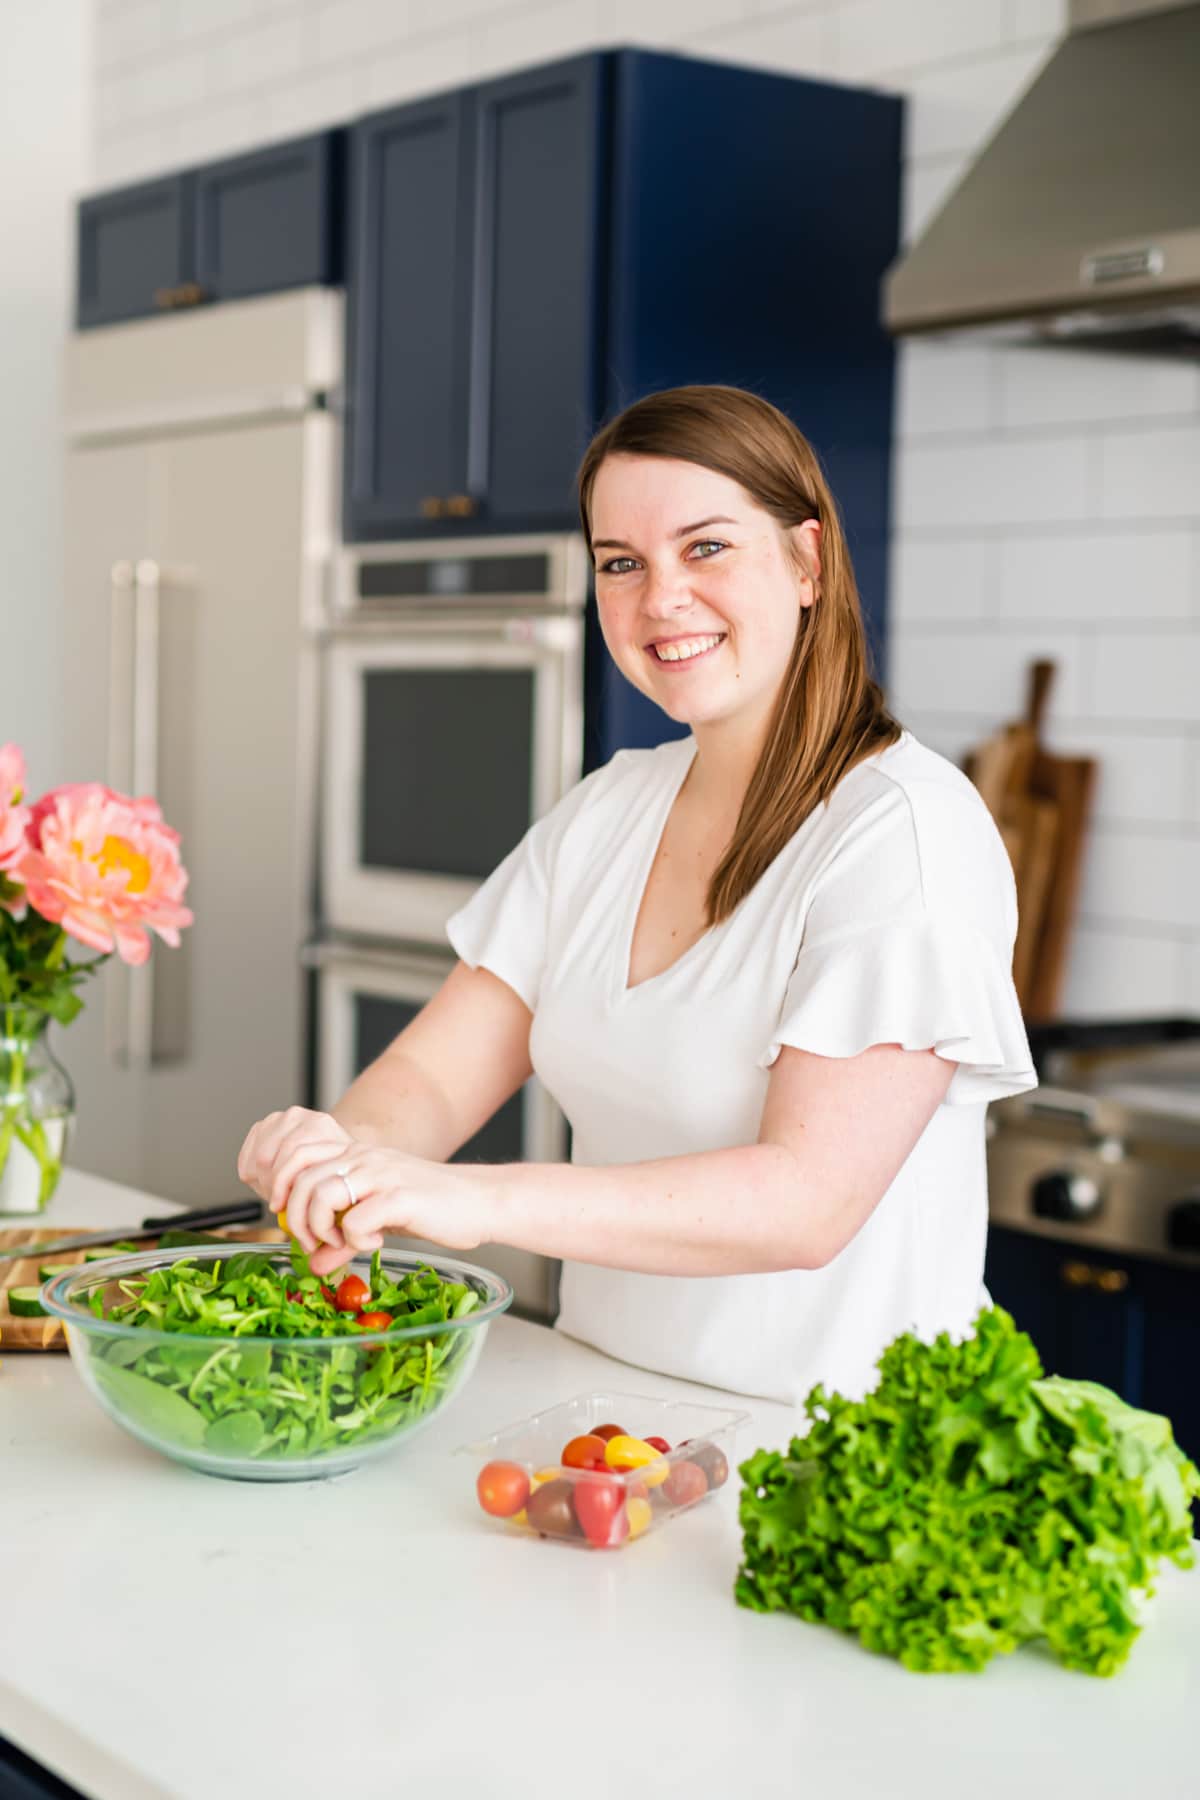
column 106, row 868
column 13, row 818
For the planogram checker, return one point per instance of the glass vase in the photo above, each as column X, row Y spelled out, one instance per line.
column 37, row 1111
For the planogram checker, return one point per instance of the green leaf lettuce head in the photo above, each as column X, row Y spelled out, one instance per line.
column 967, row 1505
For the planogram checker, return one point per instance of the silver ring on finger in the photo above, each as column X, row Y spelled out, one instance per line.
column 349, row 1188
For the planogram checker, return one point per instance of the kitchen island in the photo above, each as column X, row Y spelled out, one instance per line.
column 173, row 1635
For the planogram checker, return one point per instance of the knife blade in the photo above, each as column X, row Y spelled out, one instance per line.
column 200, row 1218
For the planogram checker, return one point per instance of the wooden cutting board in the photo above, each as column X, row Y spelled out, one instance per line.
column 48, row 1334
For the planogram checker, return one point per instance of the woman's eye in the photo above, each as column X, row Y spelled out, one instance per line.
column 707, row 545
column 612, row 567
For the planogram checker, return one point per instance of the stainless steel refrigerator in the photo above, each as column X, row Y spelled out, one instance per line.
column 201, row 481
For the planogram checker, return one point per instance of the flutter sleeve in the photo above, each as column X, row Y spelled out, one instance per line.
column 906, row 943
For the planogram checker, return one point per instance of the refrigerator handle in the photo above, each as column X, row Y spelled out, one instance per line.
column 146, row 583
column 118, row 775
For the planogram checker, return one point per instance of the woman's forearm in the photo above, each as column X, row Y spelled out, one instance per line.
column 394, row 1103
column 720, row 1212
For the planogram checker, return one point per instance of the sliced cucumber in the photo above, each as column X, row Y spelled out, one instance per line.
column 47, row 1271
column 103, row 1250
column 25, row 1303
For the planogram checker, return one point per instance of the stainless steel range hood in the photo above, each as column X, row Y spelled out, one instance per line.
column 1080, row 219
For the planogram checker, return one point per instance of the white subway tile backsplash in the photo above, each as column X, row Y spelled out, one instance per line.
column 940, row 579
column 1095, row 574
column 884, row 36
column 137, row 30
column 553, row 28
column 1114, row 974
column 347, row 29
column 928, row 181
column 1140, row 779
column 1150, row 474
column 670, row 21
column 268, row 55
column 955, row 109
column 984, row 673
column 800, row 42
column 1044, row 386
column 1135, row 878
column 1151, row 675
column 326, row 99
column 1039, row 18
column 422, row 67
column 972, row 482
column 943, row 385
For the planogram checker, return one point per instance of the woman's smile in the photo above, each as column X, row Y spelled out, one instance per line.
column 682, row 652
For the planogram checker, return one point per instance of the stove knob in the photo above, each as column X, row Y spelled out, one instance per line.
column 1183, row 1224
column 1065, row 1196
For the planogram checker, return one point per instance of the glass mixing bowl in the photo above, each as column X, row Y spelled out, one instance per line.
column 270, row 1408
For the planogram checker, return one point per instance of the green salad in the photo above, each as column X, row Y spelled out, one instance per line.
column 271, row 1397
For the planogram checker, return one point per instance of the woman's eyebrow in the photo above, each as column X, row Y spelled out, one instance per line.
column 684, row 530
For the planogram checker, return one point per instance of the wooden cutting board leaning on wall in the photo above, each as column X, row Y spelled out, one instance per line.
column 1041, row 804
column 18, row 1333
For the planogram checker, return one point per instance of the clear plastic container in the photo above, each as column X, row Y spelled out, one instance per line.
column 602, row 1509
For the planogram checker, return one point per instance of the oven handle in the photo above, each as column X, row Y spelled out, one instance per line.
column 1061, row 1103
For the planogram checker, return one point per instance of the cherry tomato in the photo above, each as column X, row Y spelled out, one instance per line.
column 634, row 1453
column 503, row 1488
column 639, row 1513
column 374, row 1321
column 685, row 1483
column 608, row 1431
column 352, row 1293
column 549, row 1510
column 712, row 1461
column 583, row 1452
column 600, row 1509
column 658, row 1443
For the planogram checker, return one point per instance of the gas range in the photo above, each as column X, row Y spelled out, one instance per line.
column 1105, row 1153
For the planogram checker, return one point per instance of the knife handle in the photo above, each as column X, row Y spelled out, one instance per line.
column 201, row 1218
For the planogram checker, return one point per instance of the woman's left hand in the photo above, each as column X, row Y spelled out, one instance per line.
column 393, row 1192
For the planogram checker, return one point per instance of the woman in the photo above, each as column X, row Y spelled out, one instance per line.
column 764, row 969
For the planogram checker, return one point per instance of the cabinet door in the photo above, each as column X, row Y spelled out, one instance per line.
column 1084, row 1310
column 107, row 508
column 540, row 161
column 1172, row 1351
column 135, row 250
column 269, row 220
column 407, row 299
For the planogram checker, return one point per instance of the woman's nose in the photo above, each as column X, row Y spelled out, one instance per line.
column 665, row 591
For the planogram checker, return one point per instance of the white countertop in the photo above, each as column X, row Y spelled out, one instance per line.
column 375, row 1637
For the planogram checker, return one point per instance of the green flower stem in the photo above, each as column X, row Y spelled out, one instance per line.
column 16, row 1119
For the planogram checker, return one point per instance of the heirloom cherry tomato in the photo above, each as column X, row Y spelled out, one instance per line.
column 713, row 1463
column 639, row 1513
column 685, row 1483
column 375, row 1321
column 549, row 1510
column 608, row 1431
column 658, row 1443
column 582, row 1452
column 600, row 1509
column 503, row 1489
column 352, row 1292
column 634, row 1453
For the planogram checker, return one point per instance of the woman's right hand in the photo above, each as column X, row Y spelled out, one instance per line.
column 283, row 1144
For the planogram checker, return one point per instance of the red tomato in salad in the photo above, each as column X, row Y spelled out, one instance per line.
column 600, row 1509
column 607, row 1431
column 352, row 1294
column 374, row 1321
column 686, row 1483
column 658, row 1443
column 503, row 1488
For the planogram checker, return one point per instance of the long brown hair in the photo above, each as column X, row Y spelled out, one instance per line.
column 829, row 713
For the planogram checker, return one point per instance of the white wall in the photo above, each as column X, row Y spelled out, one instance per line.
column 1046, row 503
column 45, row 94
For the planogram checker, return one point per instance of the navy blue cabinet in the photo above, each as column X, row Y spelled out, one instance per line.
column 1126, row 1321
column 270, row 220
column 247, row 225
column 135, row 250
column 628, row 221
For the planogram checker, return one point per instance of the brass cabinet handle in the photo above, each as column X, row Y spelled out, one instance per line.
column 1105, row 1281
column 461, row 506
column 188, row 293
column 432, row 507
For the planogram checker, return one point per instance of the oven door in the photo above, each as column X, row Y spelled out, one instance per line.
column 445, row 739
column 364, row 998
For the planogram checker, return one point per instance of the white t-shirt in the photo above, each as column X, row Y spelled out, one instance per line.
column 889, row 917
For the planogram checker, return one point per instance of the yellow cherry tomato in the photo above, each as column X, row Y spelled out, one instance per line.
column 639, row 1513
column 542, row 1475
column 631, row 1453
column 281, row 1219
column 519, row 1518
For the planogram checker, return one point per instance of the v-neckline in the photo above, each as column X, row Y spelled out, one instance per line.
column 639, row 892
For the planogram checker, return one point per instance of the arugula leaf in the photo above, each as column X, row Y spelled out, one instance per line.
column 967, row 1505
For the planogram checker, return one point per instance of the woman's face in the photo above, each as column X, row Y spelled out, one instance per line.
column 698, row 592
